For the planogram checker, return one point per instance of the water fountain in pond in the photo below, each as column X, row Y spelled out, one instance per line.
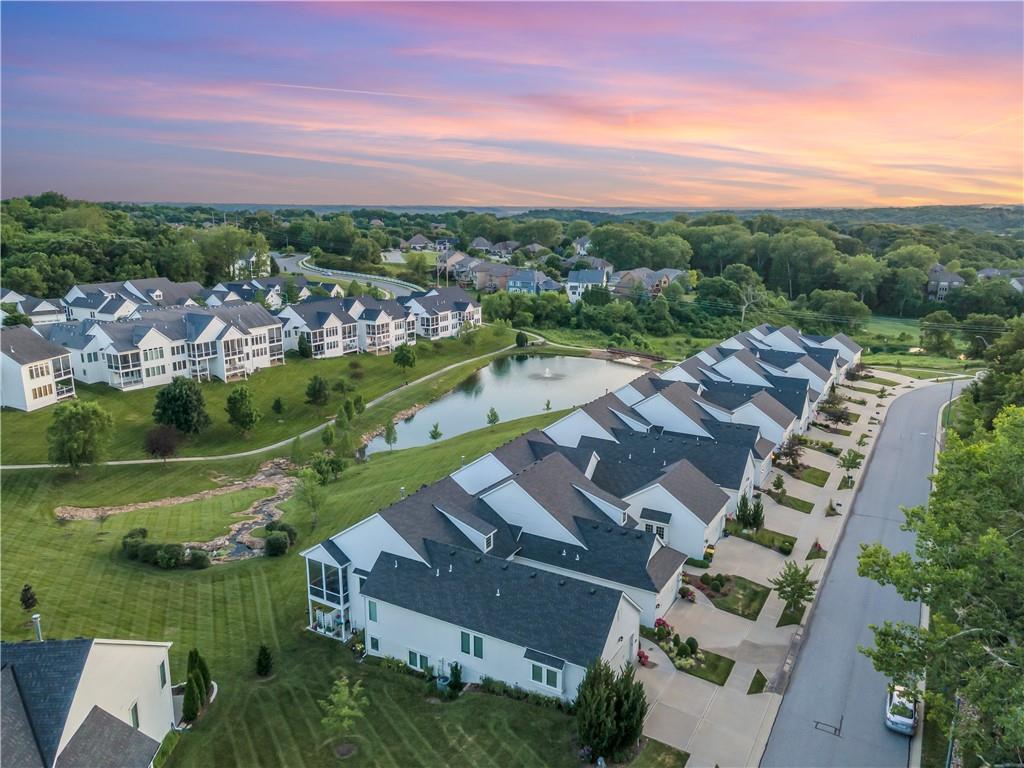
column 548, row 375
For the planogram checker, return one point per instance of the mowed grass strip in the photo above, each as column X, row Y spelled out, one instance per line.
column 658, row 755
column 763, row 536
column 86, row 588
column 742, row 597
column 25, row 433
column 811, row 475
column 793, row 502
column 715, row 668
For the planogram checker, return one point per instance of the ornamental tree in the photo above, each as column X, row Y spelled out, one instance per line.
column 241, row 408
column 794, row 585
column 181, row 405
column 79, row 433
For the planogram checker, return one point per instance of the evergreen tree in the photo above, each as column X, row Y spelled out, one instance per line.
column 190, row 706
column 305, row 349
column 595, row 710
column 435, row 432
column 28, row 598
column 204, row 673
column 630, row 710
column 756, row 518
column 264, row 661
column 278, row 406
column 492, row 417
column 743, row 511
column 196, row 679
column 241, row 408
column 316, row 392
column 327, row 436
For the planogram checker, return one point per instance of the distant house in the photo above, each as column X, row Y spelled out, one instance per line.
column 581, row 245
column 650, row 281
column 488, row 276
column 417, row 242
column 35, row 373
column 531, row 281
column 588, row 262
column 447, row 260
column 534, row 248
column 580, row 280
column 481, row 244
column 83, row 703
column 252, row 264
column 445, row 243
column 1017, row 283
column 505, row 248
column 118, row 300
column 376, row 223
column 941, row 281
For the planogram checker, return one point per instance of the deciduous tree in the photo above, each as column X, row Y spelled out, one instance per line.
column 79, row 433
column 181, row 405
column 241, row 408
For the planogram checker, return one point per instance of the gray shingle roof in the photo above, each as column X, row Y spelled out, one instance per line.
column 529, row 607
column 655, row 515
column 47, row 674
column 104, row 740
column 587, row 276
column 24, row 346
column 773, row 409
column 693, row 489
column 17, row 741
column 543, row 658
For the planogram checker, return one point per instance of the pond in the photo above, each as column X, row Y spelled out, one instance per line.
column 515, row 386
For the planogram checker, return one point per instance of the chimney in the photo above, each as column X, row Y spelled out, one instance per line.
column 37, row 622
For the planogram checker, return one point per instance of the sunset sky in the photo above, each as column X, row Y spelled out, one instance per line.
column 684, row 105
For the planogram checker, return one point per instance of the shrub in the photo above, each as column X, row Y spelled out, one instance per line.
column 130, row 547
column 691, row 643
column 277, row 543
column 170, row 556
column 264, row 661
column 455, row 677
column 149, row 551
column 676, row 640
column 683, row 651
column 198, row 559
column 277, row 525
column 696, row 563
column 785, row 547
column 137, row 533
column 705, row 579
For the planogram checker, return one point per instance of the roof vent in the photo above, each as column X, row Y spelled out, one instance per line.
column 396, row 563
column 451, row 553
column 497, row 592
column 504, row 567
column 593, row 590
column 449, row 567
column 478, row 559
column 563, row 553
column 577, row 557
column 437, row 572
column 533, row 575
column 561, row 582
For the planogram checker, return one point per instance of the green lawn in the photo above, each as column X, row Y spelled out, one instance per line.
column 818, row 553
column 880, row 325
column 811, row 475
column 794, row 503
column 658, row 755
column 920, row 361
column 881, row 381
column 742, row 597
column 789, row 618
column 846, row 483
column 25, row 433
column 204, row 519
column 676, row 346
column 85, row 588
column 757, row 683
column 715, row 668
column 764, row 537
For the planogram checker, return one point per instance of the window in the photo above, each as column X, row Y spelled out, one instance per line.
column 472, row 644
column 371, row 606
column 649, row 528
column 488, row 542
column 134, row 714
column 39, row 370
column 163, row 674
column 179, row 365
column 660, row 530
column 332, row 584
column 44, row 391
column 316, row 578
column 418, row 661
column 374, row 644
column 544, row 676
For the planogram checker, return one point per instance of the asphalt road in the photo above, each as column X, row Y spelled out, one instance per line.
column 832, row 683
column 291, row 264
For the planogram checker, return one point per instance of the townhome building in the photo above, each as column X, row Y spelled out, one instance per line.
column 382, row 325
column 35, row 372
column 580, row 280
column 117, row 300
column 39, row 311
column 596, row 513
column 228, row 343
column 488, row 276
column 442, row 312
column 941, row 281
column 330, row 330
column 76, row 703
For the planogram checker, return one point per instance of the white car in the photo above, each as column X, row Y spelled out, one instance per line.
column 901, row 711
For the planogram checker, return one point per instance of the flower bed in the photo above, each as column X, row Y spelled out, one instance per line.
column 733, row 594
